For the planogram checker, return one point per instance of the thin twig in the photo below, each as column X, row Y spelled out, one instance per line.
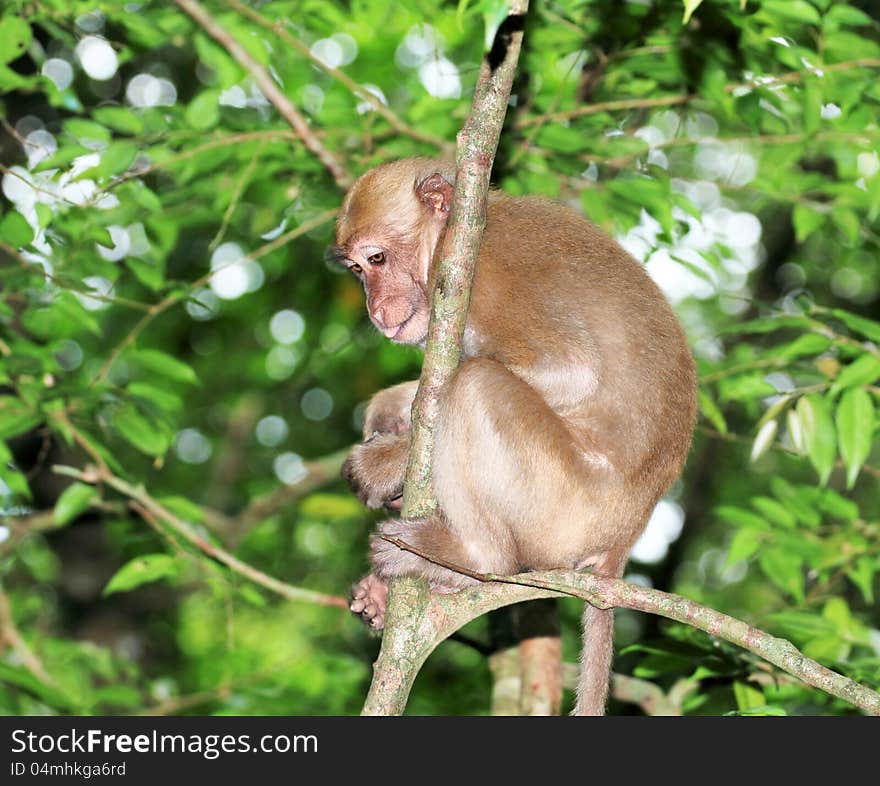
column 683, row 98
column 10, row 635
column 236, row 196
column 272, row 92
column 344, row 79
column 224, row 141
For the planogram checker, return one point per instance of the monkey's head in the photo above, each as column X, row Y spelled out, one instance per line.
column 388, row 229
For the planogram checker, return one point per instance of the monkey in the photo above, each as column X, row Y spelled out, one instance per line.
column 570, row 414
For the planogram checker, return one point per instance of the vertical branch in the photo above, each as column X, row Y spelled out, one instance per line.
column 394, row 669
column 457, row 257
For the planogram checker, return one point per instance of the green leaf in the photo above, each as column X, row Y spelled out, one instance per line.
column 494, row 13
column 140, row 432
column 849, row 224
column 561, row 138
column 183, row 508
column 744, row 544
column 119, row 119
column 203, row 111
column 784, row 569
column 800, row 500
column 15, row 230
column 828, row 648
column 116, row 159
column 15, row 38
column 16, row 417
column 252, row 595
column 806, row 221
column 867, row 327
column 820, row 440
column 774, row 511
column 745, row 386
column 163, row 400
column 796, row 10
column 711, row 411
column 165, row 365
column 747, row 697
column 764, row 439
column 862, row 371
column 142, row 570
column 689, row 7
column 19, row 676
column 855, row 430
column 845, row 14
column 836, row 505
column 328, row 507
column 802, row 625
column 862, row 575
column 767, row 324
column 73, row 501
column 808, row 344
column 740, row 517
column 86, row 129
column 62, row 158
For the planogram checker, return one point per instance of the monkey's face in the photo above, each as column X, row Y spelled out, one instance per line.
column 389, row 226
column 396, row 289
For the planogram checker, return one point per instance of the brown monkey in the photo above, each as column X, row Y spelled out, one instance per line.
column 570, row 414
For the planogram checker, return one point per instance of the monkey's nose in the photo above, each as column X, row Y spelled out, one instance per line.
column 381, row 316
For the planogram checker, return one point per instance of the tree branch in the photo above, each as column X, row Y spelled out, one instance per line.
column 185, row 530
column 606, row 592
column 272, row 92
column 477, row 141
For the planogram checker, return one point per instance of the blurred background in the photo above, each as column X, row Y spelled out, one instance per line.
column 181, row 372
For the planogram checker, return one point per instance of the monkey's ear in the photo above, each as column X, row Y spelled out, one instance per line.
column 436, row 193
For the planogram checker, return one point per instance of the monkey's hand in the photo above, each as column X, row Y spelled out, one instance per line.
column 389, row 410
column 375, row 470
column 368, row 599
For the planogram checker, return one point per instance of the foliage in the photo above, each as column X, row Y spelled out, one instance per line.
column 166, row 317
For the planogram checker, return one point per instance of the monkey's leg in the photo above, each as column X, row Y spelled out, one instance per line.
column 517, row 481
column 518, row 484
column 431, row 535
column 370, row 594
column 375, row 470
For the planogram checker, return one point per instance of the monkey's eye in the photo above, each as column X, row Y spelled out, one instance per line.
column 356, row 268
column 376, row 259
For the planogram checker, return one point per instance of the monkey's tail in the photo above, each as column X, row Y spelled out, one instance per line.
column 596, row 656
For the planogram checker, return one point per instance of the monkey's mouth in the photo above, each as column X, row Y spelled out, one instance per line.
column 396, row 330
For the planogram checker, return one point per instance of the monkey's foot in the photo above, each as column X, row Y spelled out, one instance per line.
column 368, row 599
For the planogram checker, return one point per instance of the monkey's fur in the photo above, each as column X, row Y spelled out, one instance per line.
column 570, row 415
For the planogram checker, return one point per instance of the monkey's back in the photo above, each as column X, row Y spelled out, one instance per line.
column 553, row 292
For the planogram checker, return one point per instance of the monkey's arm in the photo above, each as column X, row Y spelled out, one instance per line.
column 389, row 410
column 375, row 468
